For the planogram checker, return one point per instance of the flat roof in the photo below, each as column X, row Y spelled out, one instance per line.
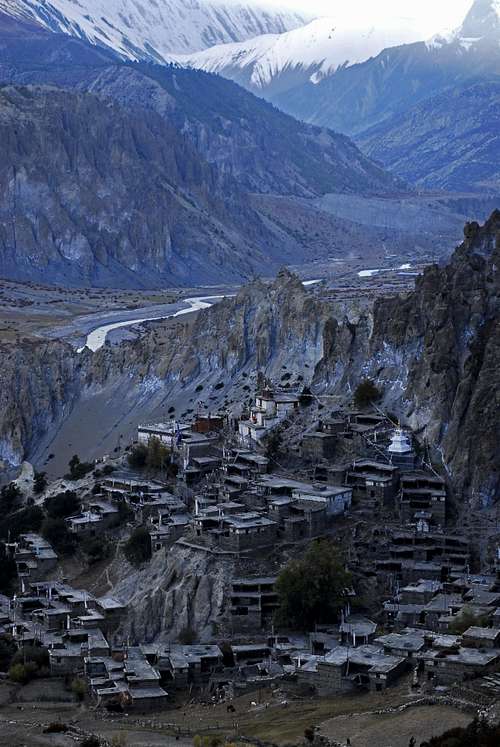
column 488, row 634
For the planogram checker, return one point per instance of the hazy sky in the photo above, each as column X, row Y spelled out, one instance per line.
column 429, row 16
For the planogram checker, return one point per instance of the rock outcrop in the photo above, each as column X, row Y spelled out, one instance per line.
column 182, row 589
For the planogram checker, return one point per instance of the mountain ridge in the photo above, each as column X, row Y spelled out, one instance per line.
column 278, row 62
column 156, row 29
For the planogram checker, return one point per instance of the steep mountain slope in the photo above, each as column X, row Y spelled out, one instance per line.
column 275, row 63
column 264, row 149
column 450, row 141
column 356, row 98
column 91, row 194
column 154, row 29
column 435, row 354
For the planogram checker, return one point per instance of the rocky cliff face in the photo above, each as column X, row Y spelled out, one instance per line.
column 435, row 354
column 183, row 589
column 91, row 194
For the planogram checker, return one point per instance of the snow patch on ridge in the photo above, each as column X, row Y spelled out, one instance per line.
column 321, row 47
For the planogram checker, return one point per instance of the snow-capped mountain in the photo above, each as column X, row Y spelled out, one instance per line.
column 277, row 62
column 481, row 26
column 154, row 29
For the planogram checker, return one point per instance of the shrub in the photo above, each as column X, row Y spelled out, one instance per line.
column 23, row 673
column 56, row 533
column 366, row 393
column 78, row 688
column 187, row 636
column 138, row 547
column 39, row 482
column 78, row 469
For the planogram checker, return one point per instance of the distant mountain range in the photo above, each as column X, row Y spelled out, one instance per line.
column 154, row 29
column 155, row 184
column 428, row 110
column 352, row 99
column 277, row 63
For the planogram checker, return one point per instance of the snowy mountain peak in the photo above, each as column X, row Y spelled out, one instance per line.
column 481, row 24
column 154, row 29
column 312, row 51
column 482, row 19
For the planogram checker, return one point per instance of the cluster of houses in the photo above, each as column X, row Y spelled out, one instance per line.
column 360, row 476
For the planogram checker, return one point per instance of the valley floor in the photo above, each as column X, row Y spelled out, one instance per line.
column 266, row 716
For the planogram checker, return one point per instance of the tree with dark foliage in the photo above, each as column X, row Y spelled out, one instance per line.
column 8, row 571
column 313, row 589
column 138, row 548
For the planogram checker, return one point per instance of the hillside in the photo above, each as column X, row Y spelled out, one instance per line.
column 92, row 194
column 450, row 141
